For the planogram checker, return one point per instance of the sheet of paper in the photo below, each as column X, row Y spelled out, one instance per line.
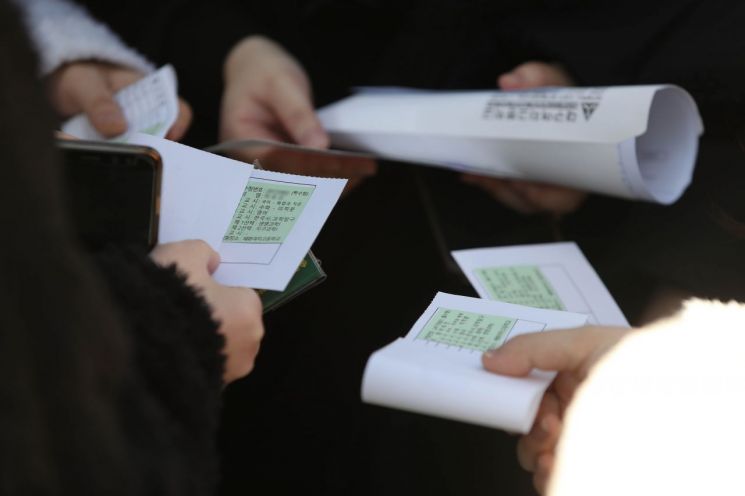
column 553, row 275
column 199, row 191
column 436, row 368
column 273, row 227
column 150, row 106
column 635, row 142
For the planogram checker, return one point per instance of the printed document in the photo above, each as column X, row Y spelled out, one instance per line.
column 636, row 142
column 436, row 368
column 273, row 226
column 555, row 276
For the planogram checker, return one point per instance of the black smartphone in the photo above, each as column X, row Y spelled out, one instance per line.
column 113, row 192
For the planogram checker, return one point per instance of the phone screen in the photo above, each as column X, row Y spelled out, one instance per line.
column 113, row 193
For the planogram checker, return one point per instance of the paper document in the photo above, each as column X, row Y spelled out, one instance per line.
column 273, row 227
column 199, row 191
column 150, row 106
column 436, row 368
column 636, row 142
column 554, row 276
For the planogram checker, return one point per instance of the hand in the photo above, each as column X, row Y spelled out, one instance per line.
column 238, row 310
column 572, row 353
column 89, row 87
column 268, row 96
column 524, row 196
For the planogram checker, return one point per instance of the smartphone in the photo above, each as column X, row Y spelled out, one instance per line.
column 113, row 192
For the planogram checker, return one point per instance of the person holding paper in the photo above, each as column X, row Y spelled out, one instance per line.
column 648, row 411
column 525, row 196
column 112, row 367
column 84, row 64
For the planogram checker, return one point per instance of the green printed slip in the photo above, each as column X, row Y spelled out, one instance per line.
column 267, row 212
column 521, row 285
column 466, row 329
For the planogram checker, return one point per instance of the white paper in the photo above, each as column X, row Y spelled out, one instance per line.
column 271, row 263
column 199, row 191
column 420, row 374
column 150, row 106
column 551, row 275
column 634, row 142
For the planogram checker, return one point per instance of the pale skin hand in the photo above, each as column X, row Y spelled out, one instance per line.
column 572, row 353
column 238, row 310
column 268, row 96
column 524, row 196
column 89, row 87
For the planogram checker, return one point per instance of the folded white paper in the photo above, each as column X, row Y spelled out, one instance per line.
column 636, row 142
column 150, row 106
column 553, row 275
column 436, row 368
column 199, row 191
column 273, row 226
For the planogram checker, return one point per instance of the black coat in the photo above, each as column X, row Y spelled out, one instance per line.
column 111, row 368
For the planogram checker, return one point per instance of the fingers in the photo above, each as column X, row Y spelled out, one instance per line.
column 194, row 257
column 534, row 75
column 544, row 434
column 535, row 451
column 86, row 89
column 543, row 471
column 563, row 350
column 182, row 123
column 291, row 101
column 239, row 312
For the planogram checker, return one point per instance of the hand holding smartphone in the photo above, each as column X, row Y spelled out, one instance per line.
column 113, row 192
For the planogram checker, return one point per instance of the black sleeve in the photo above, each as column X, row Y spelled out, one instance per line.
column 178, row 362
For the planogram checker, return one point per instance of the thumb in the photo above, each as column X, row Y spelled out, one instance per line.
column 562, row 351
column 95, row 99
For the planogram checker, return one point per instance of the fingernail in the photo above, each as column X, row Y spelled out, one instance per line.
column 489, row 354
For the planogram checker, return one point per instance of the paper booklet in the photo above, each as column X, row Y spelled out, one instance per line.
column 262, row 223
column 553, row 275
column 436, row 368
column 150, row 106
column 637, row 142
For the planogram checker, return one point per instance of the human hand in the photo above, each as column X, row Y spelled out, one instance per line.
column 238, row 310
column 89, row 87
column 528, row 197
column 268, row 96
column 572, row 353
